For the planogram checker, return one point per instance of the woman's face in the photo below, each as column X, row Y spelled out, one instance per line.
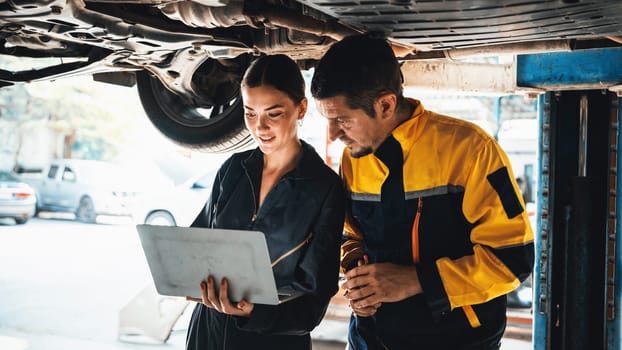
column 271, row 117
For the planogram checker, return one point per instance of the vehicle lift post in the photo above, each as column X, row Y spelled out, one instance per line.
column 577, row 278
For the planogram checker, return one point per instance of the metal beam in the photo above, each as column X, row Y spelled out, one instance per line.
column 577, row 70
column 527, row 74
column 453, row 76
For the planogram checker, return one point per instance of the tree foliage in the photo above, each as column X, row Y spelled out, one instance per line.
column 77, row 108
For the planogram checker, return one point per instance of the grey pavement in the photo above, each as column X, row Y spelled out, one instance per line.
column 63, row 284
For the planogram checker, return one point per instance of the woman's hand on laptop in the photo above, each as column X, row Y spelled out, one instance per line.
column 220, row 301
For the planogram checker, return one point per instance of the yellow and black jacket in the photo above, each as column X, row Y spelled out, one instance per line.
column 439, row 193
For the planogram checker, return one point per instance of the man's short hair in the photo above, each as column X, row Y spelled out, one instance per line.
column 360, row 68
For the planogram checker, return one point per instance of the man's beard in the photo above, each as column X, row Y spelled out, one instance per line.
column 361, row 153
column 356, row 154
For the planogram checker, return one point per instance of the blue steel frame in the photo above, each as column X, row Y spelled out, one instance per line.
column 542, row 291
column 614, row 336
column 585, row 70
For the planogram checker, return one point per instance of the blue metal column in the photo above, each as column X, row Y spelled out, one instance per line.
column 542, row 274
column 584, row 70
column 614, row 327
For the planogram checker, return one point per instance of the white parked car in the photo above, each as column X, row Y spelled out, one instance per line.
column 87, row 188
column 17, row 199
column 175, row 205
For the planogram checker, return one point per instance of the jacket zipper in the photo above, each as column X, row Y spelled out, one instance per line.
column 250, row 181
column 254, row 217
column 293, row 250
column 415, row 231
column 255, row 201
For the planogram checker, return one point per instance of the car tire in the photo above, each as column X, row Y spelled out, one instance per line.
column 20, row 220
column 86, row 211
column 213, row 122
column 161, row 218
column 38, row 207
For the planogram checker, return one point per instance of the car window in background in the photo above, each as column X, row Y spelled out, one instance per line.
column 68, row 175
column 52, row 172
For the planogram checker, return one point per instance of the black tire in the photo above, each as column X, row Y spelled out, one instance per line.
column 38, row 208
column 212, row 120
column 161, row 218
column 20, row 220
column 86, row 211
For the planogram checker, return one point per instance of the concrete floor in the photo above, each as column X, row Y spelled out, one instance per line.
column 62, row 285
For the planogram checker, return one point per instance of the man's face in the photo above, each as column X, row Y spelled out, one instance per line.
column 361, row 133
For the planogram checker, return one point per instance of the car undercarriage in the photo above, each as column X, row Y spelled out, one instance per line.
column 186, row 58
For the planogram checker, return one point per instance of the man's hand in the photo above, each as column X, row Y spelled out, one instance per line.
column 368, row 286
column 221, row 302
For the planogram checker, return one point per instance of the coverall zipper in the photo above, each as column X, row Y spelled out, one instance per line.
column 250, row 181
column 293, row 250
column 256, row 211
column 415, row 231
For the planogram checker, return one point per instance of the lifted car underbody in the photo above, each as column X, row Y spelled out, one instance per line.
column 187, row 57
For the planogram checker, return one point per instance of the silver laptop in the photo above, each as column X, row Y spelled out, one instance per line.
column 179, row 258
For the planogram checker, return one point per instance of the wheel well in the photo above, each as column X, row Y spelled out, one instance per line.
column 161, row 212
